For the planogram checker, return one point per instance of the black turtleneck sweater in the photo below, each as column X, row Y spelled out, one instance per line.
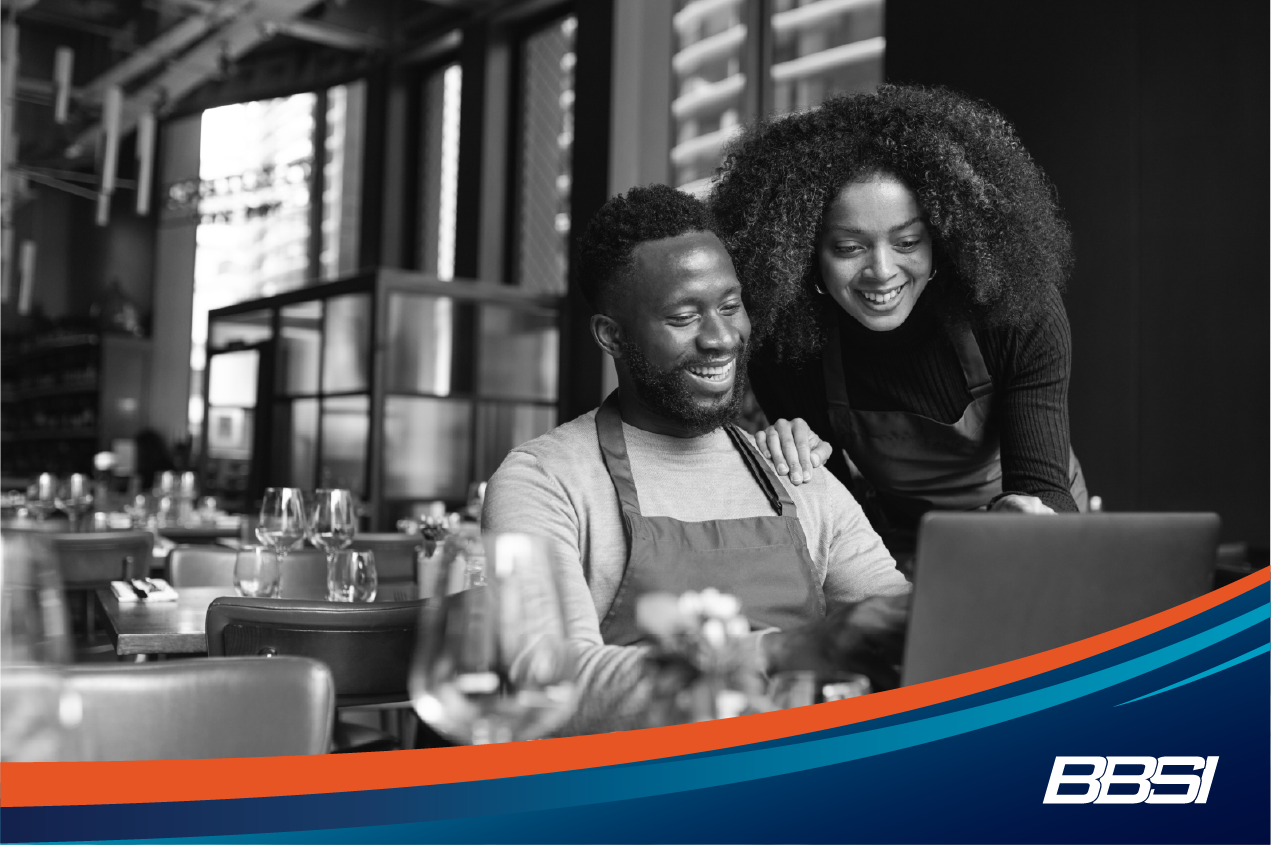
column 914, row 368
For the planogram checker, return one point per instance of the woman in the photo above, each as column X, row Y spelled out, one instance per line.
column 902, row 259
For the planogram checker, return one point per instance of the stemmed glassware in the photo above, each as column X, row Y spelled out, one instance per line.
column 283, row 524
column 492, row 663
column 333, row 524
column 74, row 497
column 41, row 497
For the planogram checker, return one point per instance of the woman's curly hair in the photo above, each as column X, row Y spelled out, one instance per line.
column 998, row 234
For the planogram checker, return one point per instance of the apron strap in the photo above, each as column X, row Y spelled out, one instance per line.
column 613, row 448
column 978, row 381
column 776, row 492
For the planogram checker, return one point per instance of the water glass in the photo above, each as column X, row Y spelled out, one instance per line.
column 493, row 663
column 351, row 576
column 256, row 573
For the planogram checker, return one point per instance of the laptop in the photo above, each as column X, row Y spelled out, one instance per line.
column 989, row 588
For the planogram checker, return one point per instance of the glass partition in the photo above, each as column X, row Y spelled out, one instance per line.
column 519, row 351
column 420, row 348
column 464, row 372
column 295, row 442
column 241, row 329
column 430, row 441
column 299, row 348
column 346, row 349
column 346, row 422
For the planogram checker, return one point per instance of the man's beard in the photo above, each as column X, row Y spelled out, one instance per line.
column 670, row 394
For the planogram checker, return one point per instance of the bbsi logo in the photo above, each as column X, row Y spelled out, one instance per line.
column 1140, row 779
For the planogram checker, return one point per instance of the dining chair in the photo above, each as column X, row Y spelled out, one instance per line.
column 394, row 555
column 174, row 710
column 89, row 561
column 304, row 571
column 367, row 647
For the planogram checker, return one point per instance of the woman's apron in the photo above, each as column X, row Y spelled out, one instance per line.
column 911, row 463
column 762, row 560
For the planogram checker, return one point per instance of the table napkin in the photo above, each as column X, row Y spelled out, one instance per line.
column 125, row 594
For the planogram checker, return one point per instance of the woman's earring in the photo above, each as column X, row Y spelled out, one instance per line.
column 933, row 274
column 817, row 287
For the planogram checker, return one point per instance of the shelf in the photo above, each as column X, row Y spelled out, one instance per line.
column 57, row 434
column 71, row 389
column 68, row 341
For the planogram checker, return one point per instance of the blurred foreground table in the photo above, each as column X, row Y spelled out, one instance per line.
column 178, row 627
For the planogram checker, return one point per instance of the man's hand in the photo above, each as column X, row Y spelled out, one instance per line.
column 793, row 448
column 866, row 637
column 1019, row 503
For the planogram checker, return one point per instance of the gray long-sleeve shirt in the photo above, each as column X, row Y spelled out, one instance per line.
column 556, row 486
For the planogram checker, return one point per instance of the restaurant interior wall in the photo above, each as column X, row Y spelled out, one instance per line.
column 1151, row 118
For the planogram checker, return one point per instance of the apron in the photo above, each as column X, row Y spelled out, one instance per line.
column 762, row 560
column 911, row 463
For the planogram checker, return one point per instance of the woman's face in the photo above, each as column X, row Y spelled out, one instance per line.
column 875, row 251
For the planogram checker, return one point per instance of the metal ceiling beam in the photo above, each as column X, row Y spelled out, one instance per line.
column 205, row 61
column 332, row 36
column 169, row 43
column 319, row 32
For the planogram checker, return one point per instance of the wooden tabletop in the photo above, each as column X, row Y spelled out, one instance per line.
column 178, row 627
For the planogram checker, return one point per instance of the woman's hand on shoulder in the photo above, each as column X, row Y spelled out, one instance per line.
column 1019, row 503
column 793, row 449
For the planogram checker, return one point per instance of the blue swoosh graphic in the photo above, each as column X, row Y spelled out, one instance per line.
column 1262, row 649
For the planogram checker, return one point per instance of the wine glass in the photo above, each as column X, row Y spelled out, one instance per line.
column 74, row 498
column 492, row 663
column 351, row 576
column 282, row 525
column 257, row 573
column 333, row 523
column 41, row 497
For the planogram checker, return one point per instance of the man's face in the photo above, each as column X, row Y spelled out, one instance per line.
column 685, row 331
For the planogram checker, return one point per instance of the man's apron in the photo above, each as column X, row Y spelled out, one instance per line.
column 914, row 463
column 762, row 560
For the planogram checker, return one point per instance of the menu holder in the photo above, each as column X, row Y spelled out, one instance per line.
column 147, row 590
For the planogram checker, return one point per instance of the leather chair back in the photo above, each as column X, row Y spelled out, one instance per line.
column 191, row 709
column 304, row 571
column 368, row 647
column 201, row 566
column 92, row 560
column 394, row 555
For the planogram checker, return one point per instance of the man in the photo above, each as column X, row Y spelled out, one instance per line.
column 656, row 490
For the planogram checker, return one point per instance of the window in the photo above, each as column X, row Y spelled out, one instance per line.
column 259, row 231
column 546, row 123
column 738, row 59
column 439, row 173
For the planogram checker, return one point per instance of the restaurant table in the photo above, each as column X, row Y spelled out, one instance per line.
column 179, row 627
column 201, row 534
